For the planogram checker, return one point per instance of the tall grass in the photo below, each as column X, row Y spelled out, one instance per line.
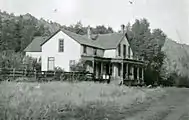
column 68, row 101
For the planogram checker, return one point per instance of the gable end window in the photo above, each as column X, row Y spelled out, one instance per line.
column 119, row 50
column 84, row 49
column 95, row 51
column 129, row 52
column 124, row 51
column 61, row 45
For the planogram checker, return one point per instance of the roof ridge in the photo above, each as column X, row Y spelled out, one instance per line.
column 74, row 33
column 109, row 34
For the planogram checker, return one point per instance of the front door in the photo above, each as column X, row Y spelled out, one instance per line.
column 51, row 63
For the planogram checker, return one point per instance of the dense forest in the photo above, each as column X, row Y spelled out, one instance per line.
column 164, row 57
column 16, row 32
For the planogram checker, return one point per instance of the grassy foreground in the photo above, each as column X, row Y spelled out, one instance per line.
column 69, row 101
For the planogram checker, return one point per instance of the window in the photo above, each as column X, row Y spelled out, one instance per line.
column 72, row 62
column 85, row 49
column 72, row 65
column 119, row 50
column 124, row 51
column 95, row 51
column 61, row 45
column 129, row 51
column 50, row 64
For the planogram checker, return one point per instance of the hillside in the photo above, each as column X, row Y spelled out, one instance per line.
column 16, row 32
column 51, row 26
column 177, row 57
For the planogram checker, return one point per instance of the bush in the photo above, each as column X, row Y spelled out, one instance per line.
column 79, row 67
column 182, row 82
column 176, row 80
column 10, row 59
column 74, row 77
column 169, row 80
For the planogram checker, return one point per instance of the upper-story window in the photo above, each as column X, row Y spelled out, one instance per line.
column 95, row 51
column 129, row 51
column 61, row 45
column 84, row 49
column 119, row 50
column 124, row 51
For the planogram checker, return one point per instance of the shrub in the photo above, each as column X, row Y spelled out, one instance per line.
column 182, row 82
column 176, row 80
column 10, row 59
column 79, row 66
column 74, row 77
column 31, row 63
column 169, row 80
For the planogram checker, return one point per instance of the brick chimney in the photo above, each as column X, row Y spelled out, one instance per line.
column 123, row 29
column 89, row 32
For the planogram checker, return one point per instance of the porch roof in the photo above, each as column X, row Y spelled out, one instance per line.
column 113, row 60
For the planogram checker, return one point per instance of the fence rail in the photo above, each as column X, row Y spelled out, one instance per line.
column 39, row 75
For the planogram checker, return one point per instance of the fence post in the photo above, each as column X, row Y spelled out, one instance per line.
column 13, row 73
column 45, row 74
column 25, row 73
column 35, row 73
column 54, row 73
column 0, row 72
column 73, row 76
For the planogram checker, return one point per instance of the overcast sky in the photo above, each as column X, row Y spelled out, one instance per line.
column 168, row 15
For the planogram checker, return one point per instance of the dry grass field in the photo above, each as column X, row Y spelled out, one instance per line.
column 70, row 101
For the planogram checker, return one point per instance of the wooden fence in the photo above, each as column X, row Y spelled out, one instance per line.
column 45, row 75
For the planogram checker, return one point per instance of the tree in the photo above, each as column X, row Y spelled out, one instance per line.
column 79, row 66
column 1, row 40
column 140, row 37
column 78, row 28
column 18, row 37
column 147, row 44
column 101, row 29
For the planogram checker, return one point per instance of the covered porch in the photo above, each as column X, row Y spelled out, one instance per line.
column 126, row 70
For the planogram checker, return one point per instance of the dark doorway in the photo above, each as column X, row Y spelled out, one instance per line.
column 107, row 68
column 135, row 72
column 140, row 73
column 124, row 71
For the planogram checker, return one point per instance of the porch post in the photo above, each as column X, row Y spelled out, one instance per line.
column 127, row 70
column 142, row 74
column 122, row 72
column 102, row 68
column 132, row 72
column 94, row 68
column 138, row 79
column 137, row 73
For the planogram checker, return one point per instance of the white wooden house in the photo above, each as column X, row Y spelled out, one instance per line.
column 103, row 53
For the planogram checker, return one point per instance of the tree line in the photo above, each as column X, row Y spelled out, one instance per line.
column 16, row 32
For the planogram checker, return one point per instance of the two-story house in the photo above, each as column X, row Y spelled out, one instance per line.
column 103, row 53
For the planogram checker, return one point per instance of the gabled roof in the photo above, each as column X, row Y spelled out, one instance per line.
column 102, row 41
column 34, row 46
column 79, row 38
column 109, row 41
